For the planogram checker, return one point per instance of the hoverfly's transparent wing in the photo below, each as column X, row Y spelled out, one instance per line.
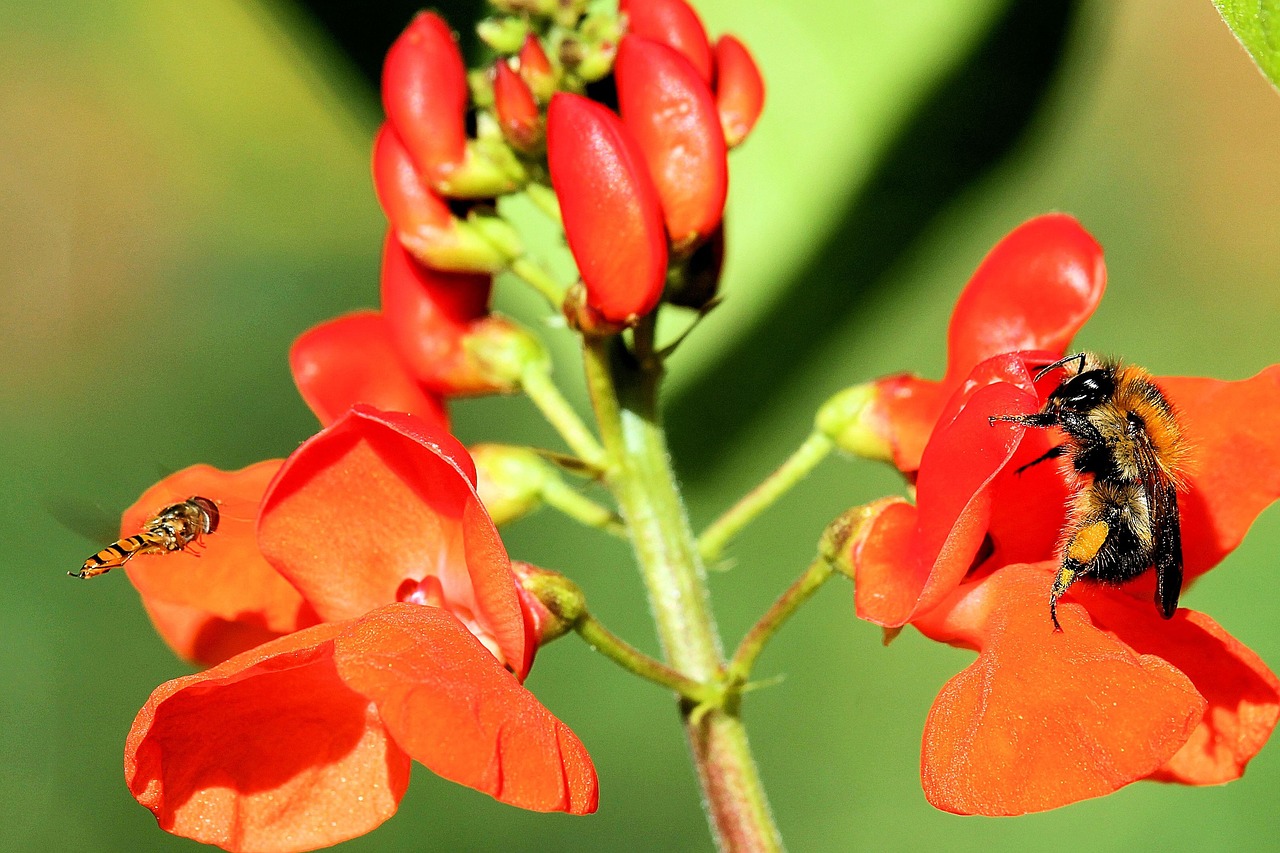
column 84, row 518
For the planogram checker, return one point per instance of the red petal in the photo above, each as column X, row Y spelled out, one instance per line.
column 269, row 751
column 212, row 603
column 517, row 110
column 673, row 23
column 429, row 312
column 1042, row 718
column 1242, row 693
column 1235, row 461
column 739, row 89
column 612, row 217
column 420, row 217
column 424, row 91
column 452, row 707
column 1033, row 291
column 350, row 360
column 670, row 112
column 377, row 499
column 908, row 574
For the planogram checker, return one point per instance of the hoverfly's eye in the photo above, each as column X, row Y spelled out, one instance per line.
column 1085, row 391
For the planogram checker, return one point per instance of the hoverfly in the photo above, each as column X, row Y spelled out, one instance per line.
column 176, row 527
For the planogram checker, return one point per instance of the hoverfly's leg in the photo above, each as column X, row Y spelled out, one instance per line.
column 1051, row 453
column 90, row 572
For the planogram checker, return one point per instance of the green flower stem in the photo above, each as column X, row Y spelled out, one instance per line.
column 714, row 539
column 536, row 276
column 536, row 381
column 559, row 495
column 638, row 470
column 633, row 660
column 755, row 640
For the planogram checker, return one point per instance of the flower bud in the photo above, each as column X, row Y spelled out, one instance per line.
column 739, row 89
column 423, row 220
column 675, row 24
column 503, row 352
column 591, row 52
column 430, row 314
column 612, row 216
column 509, row 480
column 672, row 115
column 517, row 110
column 424, row 92
column 553, row 603
column 536, row 70
column 849, row 419
column 504, row 35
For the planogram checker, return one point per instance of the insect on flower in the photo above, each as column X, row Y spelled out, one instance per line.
column 1122, row 435
column 174, row 528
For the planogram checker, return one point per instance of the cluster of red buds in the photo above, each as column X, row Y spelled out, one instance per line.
column 627, row 116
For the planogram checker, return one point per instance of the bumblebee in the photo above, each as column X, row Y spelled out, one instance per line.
column 176, row 527
column 1127, row 454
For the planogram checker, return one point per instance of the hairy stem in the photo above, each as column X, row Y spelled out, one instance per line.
column 537, row 384
column 638, row 469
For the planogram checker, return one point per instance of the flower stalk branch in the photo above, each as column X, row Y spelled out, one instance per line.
column 720, row 533
column 635, row 661
column 560, row 496
column 789, row 602
column 536, row 381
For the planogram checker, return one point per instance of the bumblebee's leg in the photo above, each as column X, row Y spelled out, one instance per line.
column 1082, row 554
column 1040, row 420
column 1051, row 453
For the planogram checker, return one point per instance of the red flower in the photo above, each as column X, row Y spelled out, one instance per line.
column 612, row 216
column 306, row 740
column 1042, row 719
column 672, row 115
column 535, row 69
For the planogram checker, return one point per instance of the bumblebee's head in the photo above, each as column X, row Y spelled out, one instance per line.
column 1084, row 391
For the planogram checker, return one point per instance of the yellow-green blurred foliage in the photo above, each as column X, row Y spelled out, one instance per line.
column 184, row 188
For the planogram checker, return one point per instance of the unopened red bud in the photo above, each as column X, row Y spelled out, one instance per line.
column 429, row 313
column 424, row 91
column 536, row 70
column 612, row 216
column 672, row 115
column 422, row 219
column 675, row 24
column 739, row 89
column 517, row 110
column 350, row 360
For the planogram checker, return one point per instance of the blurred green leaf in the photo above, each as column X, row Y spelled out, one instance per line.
column 1256, row 23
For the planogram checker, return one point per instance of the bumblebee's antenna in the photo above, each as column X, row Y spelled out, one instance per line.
column 1079, row 357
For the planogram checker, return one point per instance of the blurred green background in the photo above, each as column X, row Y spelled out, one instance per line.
column 184, row 189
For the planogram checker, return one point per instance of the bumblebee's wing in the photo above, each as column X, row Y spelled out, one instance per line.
column 1166, row 530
